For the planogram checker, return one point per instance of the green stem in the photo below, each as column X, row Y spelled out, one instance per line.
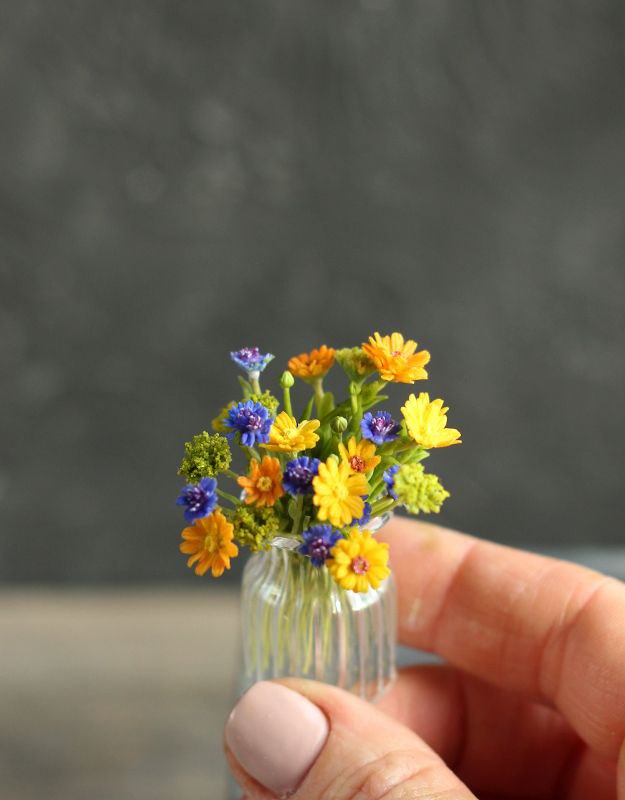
column 231, row 474
column 309, row 407
column 381, row 506
column 252, row 453
column 375, row 489
column 319, row 393
column 297, row 519
column 228, row 496
column 254, row 380
column 287, row 401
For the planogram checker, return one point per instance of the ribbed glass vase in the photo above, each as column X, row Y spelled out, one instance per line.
column 298, row 622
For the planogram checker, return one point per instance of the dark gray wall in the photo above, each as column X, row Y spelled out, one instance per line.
column 181, row 178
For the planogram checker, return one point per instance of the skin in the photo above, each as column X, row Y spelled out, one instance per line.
column 530, row 703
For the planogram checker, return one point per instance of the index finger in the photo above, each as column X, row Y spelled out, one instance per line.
column 524, row 622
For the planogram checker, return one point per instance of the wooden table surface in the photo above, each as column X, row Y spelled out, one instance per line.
column 115, row 694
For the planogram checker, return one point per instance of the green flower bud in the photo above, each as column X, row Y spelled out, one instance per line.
column 355, row 362
column 287, row 380
column 339, row 425
column 206, row 455
column 255, row 527
column 418, row 490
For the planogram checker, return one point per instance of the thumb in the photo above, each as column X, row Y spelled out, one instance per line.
column 308, row 740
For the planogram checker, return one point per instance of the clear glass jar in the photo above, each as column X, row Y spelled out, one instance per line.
column 298, row 622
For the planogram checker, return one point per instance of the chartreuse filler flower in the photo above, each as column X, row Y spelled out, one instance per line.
column 305, row 483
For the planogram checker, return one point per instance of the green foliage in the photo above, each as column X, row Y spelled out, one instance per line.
column 255, row 527
column 418, row 490
column 205, row 455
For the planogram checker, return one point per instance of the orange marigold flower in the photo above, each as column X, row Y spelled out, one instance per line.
column 263, row 485
column 315, row 364
column 208, row 543
column 359, row 456
column 396, row 359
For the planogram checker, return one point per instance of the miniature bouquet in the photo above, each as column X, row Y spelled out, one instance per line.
column 318, row 479
column 314, row 487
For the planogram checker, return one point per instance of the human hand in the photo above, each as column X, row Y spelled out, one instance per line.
column 530, row 704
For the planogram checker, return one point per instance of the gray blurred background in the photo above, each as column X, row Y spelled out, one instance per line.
column 180, row 179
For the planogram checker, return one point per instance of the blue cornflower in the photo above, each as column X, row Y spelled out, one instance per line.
column 200, row 499
column 318, row 541
column 379, row 427
column 366, row 517
column 389, row 480
column 251, row 420
column 299, row 473
column 250, row 359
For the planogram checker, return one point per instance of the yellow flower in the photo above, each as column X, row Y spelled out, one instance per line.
column 359, row 455
column 287, row 436
column 315, row 364
column 338, row 493
column 426, row 422
column 263, row 486
column 359, row 562
column 396, row 359
column 209, row 543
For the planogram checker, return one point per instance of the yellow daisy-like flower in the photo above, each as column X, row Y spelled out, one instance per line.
column 360, row 456
column 286, row 435
column 359, row 562
column 315, row 364
column 263, row 486
column 208, row 542
column 396, row 359
column 426, row 422
column 338, row 493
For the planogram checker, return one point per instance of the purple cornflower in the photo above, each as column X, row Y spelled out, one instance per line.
column 299, row 473
column 366, row 517
column 379, row 427
column 389, row 480
column 199, row 498
column 251, row 420
column 318, row 541
column 250, row 359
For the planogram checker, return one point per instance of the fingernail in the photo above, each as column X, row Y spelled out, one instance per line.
column 276, row 734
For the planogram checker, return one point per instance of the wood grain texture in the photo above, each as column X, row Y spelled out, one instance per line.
column 115, row 694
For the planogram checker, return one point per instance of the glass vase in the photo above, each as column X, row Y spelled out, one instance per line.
column 298, row 622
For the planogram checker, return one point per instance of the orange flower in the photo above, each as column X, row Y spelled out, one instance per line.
column 360, row 456
column 209, row 543
column 315, row 364
column 396, row 359
column 263, row 486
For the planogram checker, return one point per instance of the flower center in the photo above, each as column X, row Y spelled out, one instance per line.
column 254, row 422
column 248, row 354
column 264, row 483
column 357, row 464
column 319, row 549
column 195, row 498
column 341, row 492
column 380, row 425
column 396, row 353
column 360, row 565
column 212, row 543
